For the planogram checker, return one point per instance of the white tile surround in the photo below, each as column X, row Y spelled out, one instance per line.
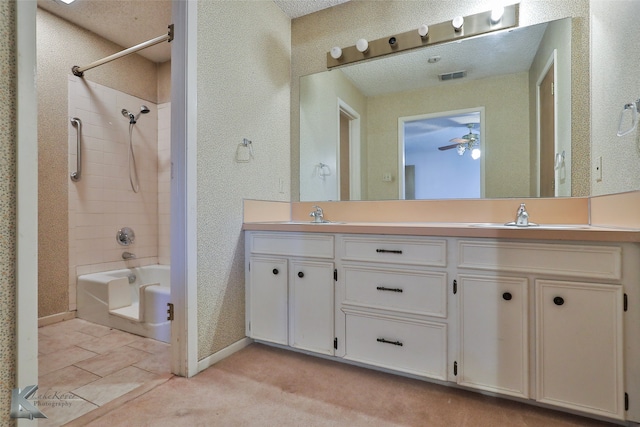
column 102, row 201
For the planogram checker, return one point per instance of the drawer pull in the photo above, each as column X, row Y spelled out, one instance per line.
column 382, row 288
column 382, row 340
column 558, row 300
column 388, row 251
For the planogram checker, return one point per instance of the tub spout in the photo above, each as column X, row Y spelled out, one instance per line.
column 128, row 255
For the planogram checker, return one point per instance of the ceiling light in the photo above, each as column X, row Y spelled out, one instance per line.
column 475, row 153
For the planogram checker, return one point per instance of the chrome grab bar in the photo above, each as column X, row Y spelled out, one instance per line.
column 75, row 176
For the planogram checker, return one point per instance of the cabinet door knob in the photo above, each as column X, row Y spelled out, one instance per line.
column 275, row 271
column 507, row 296
column 300, row 274
column 558, row 300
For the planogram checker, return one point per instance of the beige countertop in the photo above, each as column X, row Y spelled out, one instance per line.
column 450, row 229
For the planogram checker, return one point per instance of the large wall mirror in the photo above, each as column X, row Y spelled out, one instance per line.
column 375, row 130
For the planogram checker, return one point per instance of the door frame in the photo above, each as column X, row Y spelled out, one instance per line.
column 552, row 60
column 355, row 187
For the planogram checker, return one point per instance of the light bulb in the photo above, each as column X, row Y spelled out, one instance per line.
column 423, row 30
column 336, row 52
column 457, row 23
column 362, row 45
column 476, row 153
column 496, row 15
column 460, row 149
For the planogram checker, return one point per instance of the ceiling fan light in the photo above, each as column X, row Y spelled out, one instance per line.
column 461, row 149
column 476, row 153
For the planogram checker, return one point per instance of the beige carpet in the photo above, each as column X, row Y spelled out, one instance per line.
column 265, row 386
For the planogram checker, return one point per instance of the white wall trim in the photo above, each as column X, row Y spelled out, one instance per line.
column 209, row 361
column 184, row 267
column 26, row 201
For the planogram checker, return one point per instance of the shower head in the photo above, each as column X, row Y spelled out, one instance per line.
column 133, row 119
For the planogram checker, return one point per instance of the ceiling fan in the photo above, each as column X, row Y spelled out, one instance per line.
column 465, row 143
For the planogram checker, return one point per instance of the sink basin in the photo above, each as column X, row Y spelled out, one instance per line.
column 537, row 226
column 308, row 222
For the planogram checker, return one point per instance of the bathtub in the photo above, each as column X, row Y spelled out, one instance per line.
column 132, row 300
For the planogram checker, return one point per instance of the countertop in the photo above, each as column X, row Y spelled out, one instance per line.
column 569, row 232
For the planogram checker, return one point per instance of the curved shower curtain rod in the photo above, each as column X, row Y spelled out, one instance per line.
column 79, row 71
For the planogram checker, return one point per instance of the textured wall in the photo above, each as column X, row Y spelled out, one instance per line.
column 315, row 34
column 615, row 82
column 7, row 206
column 133, row 74
column 244, row 51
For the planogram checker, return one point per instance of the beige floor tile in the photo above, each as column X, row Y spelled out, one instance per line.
column 109, row 342
column 66, row 379
column 95, row 330
column 158, row 363
column 113, row 361
column 61, row 359
column 68, row 325
column 60, row 340
column 62, row 410
column 151, row 346
column 114, row 385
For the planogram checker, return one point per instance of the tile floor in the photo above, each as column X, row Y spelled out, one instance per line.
column 83, row 366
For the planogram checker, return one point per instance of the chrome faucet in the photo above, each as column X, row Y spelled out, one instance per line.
column 522, row 217
column 317, row 214
column 128, row 255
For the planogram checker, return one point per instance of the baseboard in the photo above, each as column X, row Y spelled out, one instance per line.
column 222, row 354
column 55, row 318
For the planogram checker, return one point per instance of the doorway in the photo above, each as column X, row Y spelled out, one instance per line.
column 348, row 156
column 550, row 161
column 441, row 155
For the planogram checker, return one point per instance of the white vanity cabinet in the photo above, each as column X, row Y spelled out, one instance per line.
column 392, row 303
column 579, row 346
column 578, row 294
column 290, row 289
column 494, row 334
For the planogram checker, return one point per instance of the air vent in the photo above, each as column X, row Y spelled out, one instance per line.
column 452, row 76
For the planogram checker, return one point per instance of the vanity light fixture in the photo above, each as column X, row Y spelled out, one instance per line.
column 426, row 35
column 336, row 52
column 362, row 45
column 457, row 23
column 423, row 30
column 496, row 15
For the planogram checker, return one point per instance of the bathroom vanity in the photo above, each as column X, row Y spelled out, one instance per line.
column 535, row 319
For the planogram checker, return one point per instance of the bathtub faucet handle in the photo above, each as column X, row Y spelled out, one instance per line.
column 128, row 255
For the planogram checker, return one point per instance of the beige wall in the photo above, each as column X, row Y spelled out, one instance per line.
column 506, row 155
column 133, row 74
column 315, row 34
column 164, row 82
column 7, row 206
column 244, row 52
column 615, row 82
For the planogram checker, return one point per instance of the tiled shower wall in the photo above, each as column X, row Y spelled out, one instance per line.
column 102, row 201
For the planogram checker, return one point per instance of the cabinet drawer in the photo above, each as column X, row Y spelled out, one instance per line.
column 415, row 347
column 302, row 245
column 603, row 262
column 395, row 250
column 421, row 292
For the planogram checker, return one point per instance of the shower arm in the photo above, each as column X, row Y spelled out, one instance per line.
column 79, row 71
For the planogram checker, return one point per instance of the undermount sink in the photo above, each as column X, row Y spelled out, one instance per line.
column 536, row 226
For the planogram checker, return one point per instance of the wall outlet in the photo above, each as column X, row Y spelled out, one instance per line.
column 598, row 171
column 386, row 177
column 280, row 185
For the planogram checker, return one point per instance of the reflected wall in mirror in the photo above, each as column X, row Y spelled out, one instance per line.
column 504, row 73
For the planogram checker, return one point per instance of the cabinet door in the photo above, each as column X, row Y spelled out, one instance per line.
column 267, row 303
column 493, row 334
column 312, row 309
column 579, row 346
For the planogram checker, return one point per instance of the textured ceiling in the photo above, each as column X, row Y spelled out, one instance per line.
column 493, row 54
column 130, row 22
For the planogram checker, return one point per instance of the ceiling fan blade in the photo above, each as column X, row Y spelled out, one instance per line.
column 459, row 140
column 447, row 147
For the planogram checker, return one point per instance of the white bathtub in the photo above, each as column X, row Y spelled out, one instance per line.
column 107, row 298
